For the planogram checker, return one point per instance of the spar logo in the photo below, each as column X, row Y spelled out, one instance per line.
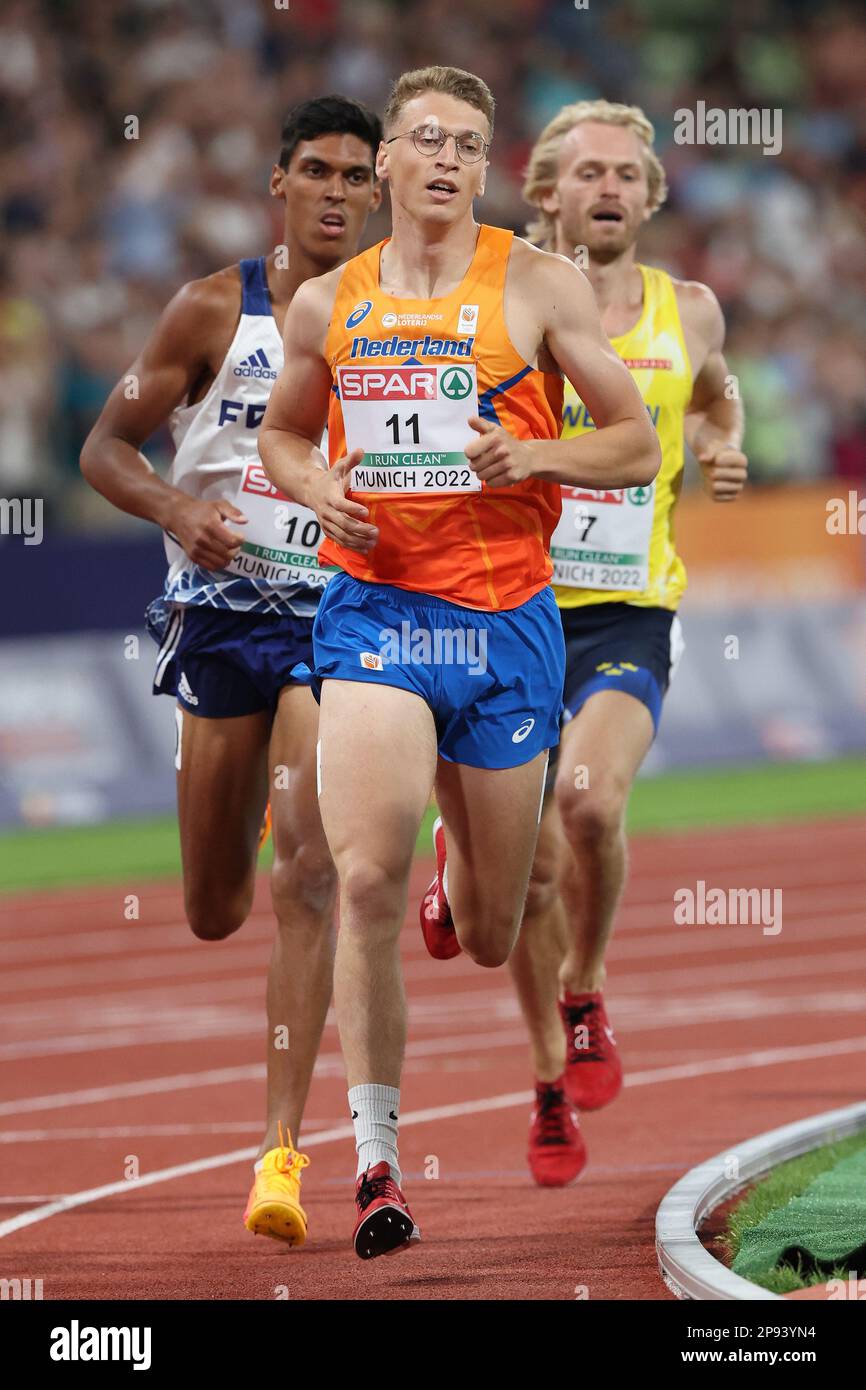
column 359, row 313
column 396, row 383
column 639, row 496
column 259, row 484
column 456, row 384
column 612, row 496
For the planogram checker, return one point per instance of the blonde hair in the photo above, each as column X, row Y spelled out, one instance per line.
column 454, row 82
column 543, row 169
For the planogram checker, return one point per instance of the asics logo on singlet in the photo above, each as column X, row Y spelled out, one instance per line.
column 524, row 731
column 256, row 365
column 412, row 347
column 359, row 313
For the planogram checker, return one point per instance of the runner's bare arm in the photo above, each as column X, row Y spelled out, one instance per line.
column 623, row 450
column 714, row 416
column 174, row 358
column 297, row 414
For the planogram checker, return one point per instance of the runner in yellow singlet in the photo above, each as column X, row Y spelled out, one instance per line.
column 595, row 180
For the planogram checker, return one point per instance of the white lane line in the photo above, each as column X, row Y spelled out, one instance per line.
column 511, row 1100
column 204, row 1165
column 331, row 1063
column 165, row 942
column 646, row 945
column 758, row 971
column 635, row 1014
column 127, row 1090
column 95, row 1007
column 775, row 960
column 765, row 1057
column 41, row 1197
column 327, row 1064
column 133, row 938
column 39, row 1136
column 253, row 957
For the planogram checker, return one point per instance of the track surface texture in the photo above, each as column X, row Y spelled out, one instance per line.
column 130, row 1041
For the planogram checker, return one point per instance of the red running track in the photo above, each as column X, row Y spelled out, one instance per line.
column 128, row 1039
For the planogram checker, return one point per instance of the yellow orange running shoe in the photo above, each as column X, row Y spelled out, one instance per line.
column 274, row 1208
column 266, row 826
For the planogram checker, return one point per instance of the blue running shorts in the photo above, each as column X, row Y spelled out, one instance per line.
column 492, row 680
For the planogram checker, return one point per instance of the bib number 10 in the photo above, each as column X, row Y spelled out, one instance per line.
column 311, row 533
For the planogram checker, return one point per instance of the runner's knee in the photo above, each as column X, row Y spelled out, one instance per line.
column 594, row 814
column 542, row 891
column 303, row 882
column 489, row 948
column 213, row 917
column 489, row 934
column 372, row 895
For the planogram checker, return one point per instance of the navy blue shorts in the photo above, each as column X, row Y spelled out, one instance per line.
column 492, row 680
column 619, row 646
column 220, row 664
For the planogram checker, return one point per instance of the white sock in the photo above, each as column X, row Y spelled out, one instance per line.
column 374, row 1113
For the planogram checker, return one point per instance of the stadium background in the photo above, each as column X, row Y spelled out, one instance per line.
column 98, row 231
column 123, row 1036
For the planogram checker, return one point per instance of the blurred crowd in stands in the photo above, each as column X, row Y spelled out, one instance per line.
column 97, row 230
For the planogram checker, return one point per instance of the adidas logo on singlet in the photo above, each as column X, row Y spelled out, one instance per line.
column 258, row 366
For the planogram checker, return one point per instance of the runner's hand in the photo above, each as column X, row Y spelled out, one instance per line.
column 496, row 456
column 724, row 470
column 199, row 529
column 341, row 519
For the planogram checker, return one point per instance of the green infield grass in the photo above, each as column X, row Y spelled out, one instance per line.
column 148, row 849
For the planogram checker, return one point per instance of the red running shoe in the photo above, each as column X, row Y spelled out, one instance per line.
column 385, row 1222
column 437, row 924
column 557, row 1153
column 593, row 1070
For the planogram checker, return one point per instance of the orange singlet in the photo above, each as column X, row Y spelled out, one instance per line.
column 407, row 375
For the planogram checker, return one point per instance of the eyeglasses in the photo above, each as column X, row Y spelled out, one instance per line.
column 429, row 139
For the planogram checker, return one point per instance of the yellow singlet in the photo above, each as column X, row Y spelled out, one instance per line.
column 617, row 546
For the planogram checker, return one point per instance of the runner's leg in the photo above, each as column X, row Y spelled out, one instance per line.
column 491, row 826
column 303, row 891
column 378, row 761
column 222, row 789
column 541, row 945
column 602, row 749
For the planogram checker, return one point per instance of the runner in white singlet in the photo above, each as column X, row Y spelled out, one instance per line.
column 240, row 597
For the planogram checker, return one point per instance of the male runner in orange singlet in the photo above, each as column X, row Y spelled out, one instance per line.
column 440, row 643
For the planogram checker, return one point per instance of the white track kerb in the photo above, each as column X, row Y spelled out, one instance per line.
column 687, row 1268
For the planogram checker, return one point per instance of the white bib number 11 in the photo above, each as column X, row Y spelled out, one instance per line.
column 413, row 425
